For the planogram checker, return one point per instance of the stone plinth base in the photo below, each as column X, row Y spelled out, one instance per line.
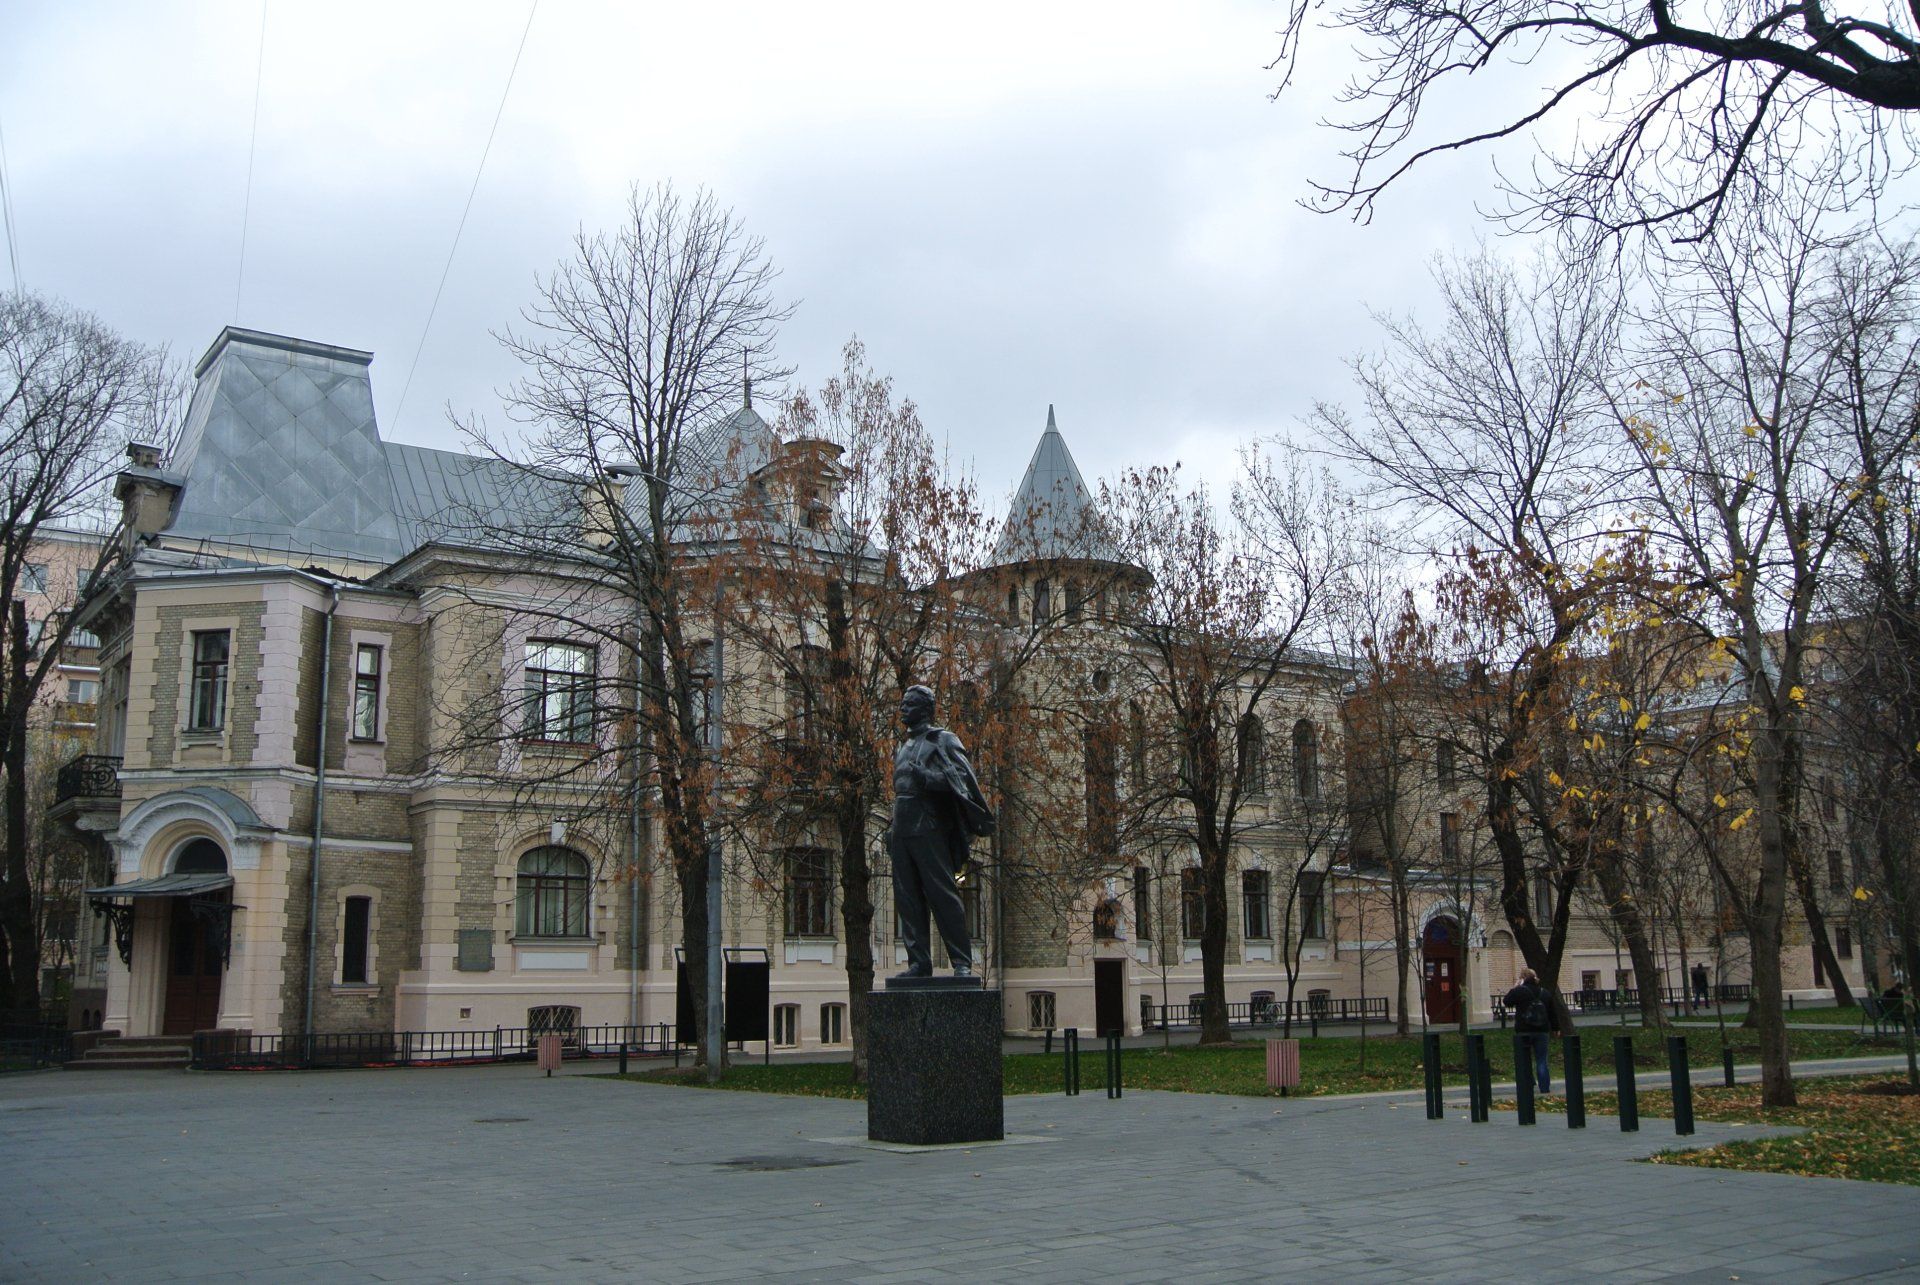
column 933, row 1066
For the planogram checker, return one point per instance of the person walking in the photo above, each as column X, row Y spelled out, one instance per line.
column 1532, row 1024
column 1702, row 986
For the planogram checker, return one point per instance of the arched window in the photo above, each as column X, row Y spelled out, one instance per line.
column 1253, row 755
column 553, row 888
column 1306, row 760
column 201, row 857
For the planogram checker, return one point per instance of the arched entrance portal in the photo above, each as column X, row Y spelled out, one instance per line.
column 196, row 945
column 1443, row 963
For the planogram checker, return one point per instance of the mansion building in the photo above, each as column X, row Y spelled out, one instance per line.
column 295, row 639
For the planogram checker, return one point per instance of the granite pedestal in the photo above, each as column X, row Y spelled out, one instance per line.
column 933, row 1063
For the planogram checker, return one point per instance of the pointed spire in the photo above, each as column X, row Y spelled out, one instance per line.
column 1052, row 514
column 1051, row 426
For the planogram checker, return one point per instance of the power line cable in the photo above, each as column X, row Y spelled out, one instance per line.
column 253, row 139
column 465, row 210
column 6, row 218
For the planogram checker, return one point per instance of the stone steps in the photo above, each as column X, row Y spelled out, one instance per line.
column 151, row 1053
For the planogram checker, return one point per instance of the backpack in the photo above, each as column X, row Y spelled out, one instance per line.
column 1534, row 1014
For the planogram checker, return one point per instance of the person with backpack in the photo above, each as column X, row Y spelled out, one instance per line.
column 1532, row 1024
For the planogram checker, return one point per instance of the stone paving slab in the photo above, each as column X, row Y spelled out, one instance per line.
column 500, row 1174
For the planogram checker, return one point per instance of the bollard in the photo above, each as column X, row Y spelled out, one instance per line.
column 1430, row 1060
column 1629, row 1090
column 1049, row 1048
column 1315, row 1020
column 1070, row 1058
column 623, row 1056
column 1113, row 1066
column 1479, row 1079
column 1576, row 1083
column 1682, row 1084
column 1523, row 1078
column 1726, row 1063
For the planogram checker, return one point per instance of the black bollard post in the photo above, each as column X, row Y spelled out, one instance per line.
column 1682, row 1077
column 1430, row 1061
column 1048, row 1051
column 1576, row 1084
column 1726, row 1063
column 1523, row 1078
column 1070, row 1058
column 1113, row 1066
column 623, row 1055
column 1629, row 1092
column 1480, row 1079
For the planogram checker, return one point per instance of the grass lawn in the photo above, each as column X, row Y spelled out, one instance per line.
column 1327, row 1065
column 1855, row 1128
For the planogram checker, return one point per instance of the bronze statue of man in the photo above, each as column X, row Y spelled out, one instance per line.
column 937, row 806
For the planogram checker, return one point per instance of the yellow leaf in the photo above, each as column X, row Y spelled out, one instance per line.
column 1719, row 800
column 1625, row 705
column 1797, row 694
column 1642, row 723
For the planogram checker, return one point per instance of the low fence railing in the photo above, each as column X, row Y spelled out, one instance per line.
column 29, row 1042
column 1609, row 999
column 1274, row 1012
column 220, row 1051
column 90, row 776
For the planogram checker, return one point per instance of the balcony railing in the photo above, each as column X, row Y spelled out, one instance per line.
column 91, row 776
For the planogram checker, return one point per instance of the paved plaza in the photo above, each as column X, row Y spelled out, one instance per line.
column 499, row 1174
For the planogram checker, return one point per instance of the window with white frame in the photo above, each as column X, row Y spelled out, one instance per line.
column 1313, row 905
column 33, row 578
column 368, row 661
column 559, row 691
column 1193, row 903
column 356, row 940
column 809, row 892
column 833, row 1023
column 553, row 887
column 207, row 706
column 786, row 1025
column 1040, row 1011
column 1255, row 899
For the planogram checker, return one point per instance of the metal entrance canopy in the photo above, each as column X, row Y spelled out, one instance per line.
column 115, row 901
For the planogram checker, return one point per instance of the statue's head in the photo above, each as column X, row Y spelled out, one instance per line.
column 916, row 705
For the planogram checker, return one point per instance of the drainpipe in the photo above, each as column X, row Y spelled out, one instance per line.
column 319, row 807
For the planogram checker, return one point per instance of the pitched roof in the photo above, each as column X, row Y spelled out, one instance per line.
column 1053, row 514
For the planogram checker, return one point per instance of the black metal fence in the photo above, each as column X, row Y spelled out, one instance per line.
column 90, row 776
column 28, row 1041
column 1610, row 999
column 218, row 1051
column 1269, row 1012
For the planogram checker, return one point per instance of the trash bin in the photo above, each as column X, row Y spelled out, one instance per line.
column 549, row 1049
column 1283, row 1064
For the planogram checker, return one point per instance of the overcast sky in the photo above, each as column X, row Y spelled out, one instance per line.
column 1090, row 205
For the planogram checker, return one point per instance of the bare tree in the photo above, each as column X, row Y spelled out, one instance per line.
column 73, row 395
column 615, row 536
column 1776, row 369
column 1682, row 113
column 1212, row 635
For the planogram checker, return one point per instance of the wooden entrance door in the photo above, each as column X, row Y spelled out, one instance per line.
column 1109, row 997
column 194, row 969
column 1441, row 965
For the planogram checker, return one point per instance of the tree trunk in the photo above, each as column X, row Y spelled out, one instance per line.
column 1632, row 927
column 1402, row 943
column 1817, row 931
column 692, row 876
column 1770, row 906
column 21, row 981
column 856, row 920
column 1213, row 950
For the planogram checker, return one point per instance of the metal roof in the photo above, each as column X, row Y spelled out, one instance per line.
column 1053, row 514
column 176, row 885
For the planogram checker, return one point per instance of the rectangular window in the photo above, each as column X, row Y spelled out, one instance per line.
column 1040, row 1010
column 207, row 711
column 1042, row 601
column 1444, row 764
column 969, row 881
column 1142, row 902
column 83, row 691
column 366, row 692
column 1313, row 905
column 1450, row 839
column 809, row 892
column 1836, row 873
column 1843, row 942
column 1254, row 920
column 559, row 692
column 786, row 1025
column 833, row 1023
column 353, row 940
column 1193, row 903
column 33, row 578
column 1590, row 981
column 1542, row 899
column 1073, row 601
column 1099, row 760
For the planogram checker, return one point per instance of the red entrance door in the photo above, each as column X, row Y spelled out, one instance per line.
column 194, row 967
column 1440, row 957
